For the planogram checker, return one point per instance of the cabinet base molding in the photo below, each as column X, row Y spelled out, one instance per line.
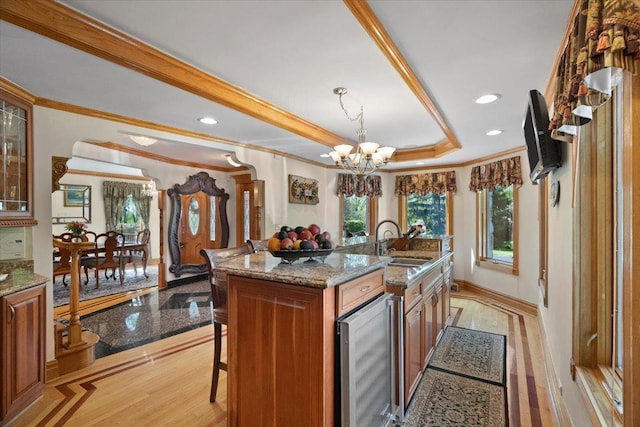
column 71, row 359
column 525, row 306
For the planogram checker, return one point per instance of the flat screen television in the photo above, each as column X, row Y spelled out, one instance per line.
column 543, row 151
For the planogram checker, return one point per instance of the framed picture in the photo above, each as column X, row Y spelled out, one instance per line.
column 77, row 195
column 303, row 190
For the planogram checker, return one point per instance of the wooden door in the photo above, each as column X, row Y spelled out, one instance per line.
column 23, row 352
column 194, row 229
column 413, row 351
column 249, row 208
column 428, row 307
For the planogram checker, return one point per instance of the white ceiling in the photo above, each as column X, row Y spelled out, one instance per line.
column 292, row 54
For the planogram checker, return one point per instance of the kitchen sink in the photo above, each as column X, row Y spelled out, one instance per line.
column 408, row 262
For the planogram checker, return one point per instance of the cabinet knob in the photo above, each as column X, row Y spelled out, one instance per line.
column 365, row 289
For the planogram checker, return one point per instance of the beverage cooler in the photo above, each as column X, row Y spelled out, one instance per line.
column 368, row 363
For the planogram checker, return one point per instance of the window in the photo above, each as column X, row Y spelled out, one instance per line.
column 605, row 319
column 358, row 214
column 130, row 221
column 497, row 219
column 430, row 210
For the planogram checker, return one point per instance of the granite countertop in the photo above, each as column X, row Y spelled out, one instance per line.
column 337, row 268
column 406, row 276
column 20, row 280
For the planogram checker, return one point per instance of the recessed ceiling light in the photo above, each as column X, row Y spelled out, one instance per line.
column 325, row 155
column 419, row 163
column 208, row 120
column 494, row 132
column 488, row 98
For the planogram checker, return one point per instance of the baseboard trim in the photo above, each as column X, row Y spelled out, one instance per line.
column 519, row 304
column 553, row 387
column 52, row 371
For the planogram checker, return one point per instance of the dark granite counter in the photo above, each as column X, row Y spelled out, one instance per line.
column 337, row 268
column 19, row 280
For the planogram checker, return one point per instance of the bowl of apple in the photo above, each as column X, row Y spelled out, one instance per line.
column 292, row 244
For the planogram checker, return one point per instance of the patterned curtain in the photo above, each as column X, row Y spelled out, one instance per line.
column 501, row 173
column 605, row 40
column 115, row 196
column 359, row 185
column 438, row 183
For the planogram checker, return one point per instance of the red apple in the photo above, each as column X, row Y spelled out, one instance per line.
column 326, row 235
column 293, row 235
column 314, row 229
column 305, row 235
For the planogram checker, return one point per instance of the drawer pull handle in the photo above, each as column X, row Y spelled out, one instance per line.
column 13, row 313
column 365, row 289
column 415, row 294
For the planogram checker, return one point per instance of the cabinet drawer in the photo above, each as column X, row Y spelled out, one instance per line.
column 411, row 296
column 358, row 291
column 430, row 279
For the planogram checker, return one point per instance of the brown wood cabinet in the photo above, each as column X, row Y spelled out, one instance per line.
column 281, row 349
column 22, row 349
column 427, row 311
column 16, row 158
column 413, row 361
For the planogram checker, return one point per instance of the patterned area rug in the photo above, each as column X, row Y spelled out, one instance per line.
column 445, row 399
column 473, row 354
column 132, row 282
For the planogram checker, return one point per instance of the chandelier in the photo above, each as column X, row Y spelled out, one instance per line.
column 149, row 189
column 368, row 155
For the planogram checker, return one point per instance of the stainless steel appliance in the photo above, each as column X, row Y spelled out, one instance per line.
column 369, row 363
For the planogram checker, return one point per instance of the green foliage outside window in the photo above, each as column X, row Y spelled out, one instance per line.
column 355, row 213
column 429, row 210
column 501, row 222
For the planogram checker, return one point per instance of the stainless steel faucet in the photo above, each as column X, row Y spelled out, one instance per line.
column 379, row 244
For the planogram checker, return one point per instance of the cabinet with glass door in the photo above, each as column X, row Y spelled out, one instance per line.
column 16, row 161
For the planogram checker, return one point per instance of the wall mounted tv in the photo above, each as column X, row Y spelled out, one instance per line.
column 543, row 151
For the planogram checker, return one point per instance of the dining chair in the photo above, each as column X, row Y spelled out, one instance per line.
column 61, row 258
column 219, row 297
column 108, row 254
column 140, row 255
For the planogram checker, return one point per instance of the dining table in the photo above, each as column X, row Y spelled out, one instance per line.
column 128, row 248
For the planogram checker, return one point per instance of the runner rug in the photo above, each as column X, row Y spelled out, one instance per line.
column 464, row 383
column 474, row 354
column 132, row 282
column 443, row 399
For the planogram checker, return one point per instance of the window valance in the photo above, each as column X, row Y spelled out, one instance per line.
column 359, row 185
column 501, row 173
column 423, row 184
column 604, row 41
column 120, row 189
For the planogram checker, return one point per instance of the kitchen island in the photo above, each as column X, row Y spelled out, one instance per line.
column 281, row 342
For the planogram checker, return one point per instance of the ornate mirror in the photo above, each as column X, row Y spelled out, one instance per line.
column 198, row 220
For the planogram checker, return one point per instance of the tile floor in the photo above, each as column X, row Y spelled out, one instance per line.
column 151, row 317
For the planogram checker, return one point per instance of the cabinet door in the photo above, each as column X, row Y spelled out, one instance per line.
column 16, row 188
column 446, row 301
column 23, row 351
column 439, row 310
column 428, row 329
column 412, row 351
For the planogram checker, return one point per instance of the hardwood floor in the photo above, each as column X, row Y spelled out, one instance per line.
column 167, row 382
